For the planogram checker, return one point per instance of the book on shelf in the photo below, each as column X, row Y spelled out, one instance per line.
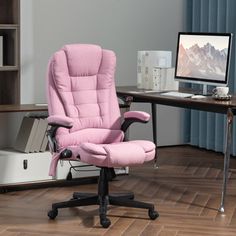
column 26, row 134
column 44, row 145
column 41, row 114
column 39, row 135
column 1, row 50
column 31, row 135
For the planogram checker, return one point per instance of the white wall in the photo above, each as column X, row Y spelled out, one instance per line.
column 124, row 26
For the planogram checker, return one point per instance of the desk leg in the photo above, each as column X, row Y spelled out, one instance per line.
column 226, row 157
column 154, row 130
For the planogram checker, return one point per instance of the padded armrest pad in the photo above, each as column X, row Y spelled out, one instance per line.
column 140, row 115
column 62, row 121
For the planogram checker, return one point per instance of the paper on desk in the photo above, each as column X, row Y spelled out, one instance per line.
column 144, row 91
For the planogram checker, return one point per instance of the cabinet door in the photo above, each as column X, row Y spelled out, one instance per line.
column 18, row 167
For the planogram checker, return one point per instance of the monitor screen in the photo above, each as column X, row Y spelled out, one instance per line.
column 203, row 58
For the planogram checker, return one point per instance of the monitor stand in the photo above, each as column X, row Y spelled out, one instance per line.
column 204, row 90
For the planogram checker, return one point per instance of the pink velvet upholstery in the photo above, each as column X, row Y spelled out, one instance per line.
column 86, row 126
column 118, row 154
column 141, row 115
column 60, row 120
column 81, row 93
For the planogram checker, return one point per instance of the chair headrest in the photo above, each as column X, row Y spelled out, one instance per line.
column 83, row 59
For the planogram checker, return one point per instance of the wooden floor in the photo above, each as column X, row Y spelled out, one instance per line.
column 185, row 189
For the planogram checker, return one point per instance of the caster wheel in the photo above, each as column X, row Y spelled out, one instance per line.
column 69, row 176
column 3, row 190
column 152, row 214
column 53, row 214
column 131, row 197
column 105, row 222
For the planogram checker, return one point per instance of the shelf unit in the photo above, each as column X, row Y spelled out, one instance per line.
column 11, row 160
column 10, row 69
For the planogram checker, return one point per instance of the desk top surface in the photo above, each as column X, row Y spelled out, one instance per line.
column 206, row 104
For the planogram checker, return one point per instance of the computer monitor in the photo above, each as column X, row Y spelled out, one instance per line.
column 203, row 58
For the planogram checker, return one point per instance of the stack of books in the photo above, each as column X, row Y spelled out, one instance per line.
column 32, row 134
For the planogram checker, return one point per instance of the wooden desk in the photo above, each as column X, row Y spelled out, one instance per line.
column 131, row 94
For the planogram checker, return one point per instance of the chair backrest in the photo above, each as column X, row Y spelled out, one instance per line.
column 80, row 85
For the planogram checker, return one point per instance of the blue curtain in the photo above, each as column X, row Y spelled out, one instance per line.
column 207, row 130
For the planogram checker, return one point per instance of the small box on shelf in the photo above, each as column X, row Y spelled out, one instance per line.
column 146, row 60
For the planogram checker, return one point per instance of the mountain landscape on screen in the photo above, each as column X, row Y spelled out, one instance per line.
column 202, row 62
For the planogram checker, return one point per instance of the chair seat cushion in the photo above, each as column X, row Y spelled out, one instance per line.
column 89, row 135
column 117, row 154
column 109, row 155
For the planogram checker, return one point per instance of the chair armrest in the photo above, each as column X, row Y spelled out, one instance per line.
column 134, row 116
column 139, row 115
column 60, row 121
column 56, row 122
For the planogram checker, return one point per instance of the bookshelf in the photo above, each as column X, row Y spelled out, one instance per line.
column 23, row 108
column 10, row 57
column 17, row 167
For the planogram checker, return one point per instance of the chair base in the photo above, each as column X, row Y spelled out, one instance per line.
column 103, row 199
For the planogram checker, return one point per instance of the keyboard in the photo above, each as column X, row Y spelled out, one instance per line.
column 177, row 94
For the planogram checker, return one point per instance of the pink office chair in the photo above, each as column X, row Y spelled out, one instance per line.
column 85, row 119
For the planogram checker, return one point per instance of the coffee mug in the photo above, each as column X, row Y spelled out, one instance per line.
column 220, row 91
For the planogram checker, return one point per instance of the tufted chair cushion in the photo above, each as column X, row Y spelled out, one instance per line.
column 81, row 93
column 82, row 86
